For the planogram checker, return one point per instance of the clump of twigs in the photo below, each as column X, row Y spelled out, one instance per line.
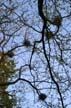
column 57, row 20
column 26, row 43
column 42, row 96
column 10, row 54
column 49, row 34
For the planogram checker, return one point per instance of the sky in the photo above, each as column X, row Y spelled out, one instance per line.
column 22, row 55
